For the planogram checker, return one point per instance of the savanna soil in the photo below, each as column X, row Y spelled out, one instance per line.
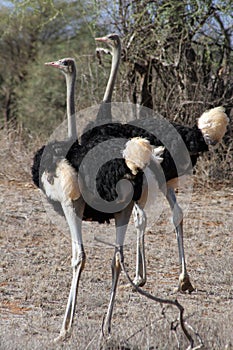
column 36, row 276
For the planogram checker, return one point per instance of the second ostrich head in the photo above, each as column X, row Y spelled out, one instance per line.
column 112, row 40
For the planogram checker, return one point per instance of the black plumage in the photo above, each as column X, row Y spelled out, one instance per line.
column 170, row 134
column 115, row 169
column 108, row 175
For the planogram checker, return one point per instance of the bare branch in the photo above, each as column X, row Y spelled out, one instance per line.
column 162, row 301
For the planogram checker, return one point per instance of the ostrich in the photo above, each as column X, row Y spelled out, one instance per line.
column 196, row 139
column 57, row 170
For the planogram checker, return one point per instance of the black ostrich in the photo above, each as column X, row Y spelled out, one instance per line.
column 176, row 162
column 60, row 171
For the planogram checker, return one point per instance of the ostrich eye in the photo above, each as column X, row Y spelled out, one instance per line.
column 65, row 63
column 113, row 38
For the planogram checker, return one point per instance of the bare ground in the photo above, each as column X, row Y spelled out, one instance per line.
column 36, row 275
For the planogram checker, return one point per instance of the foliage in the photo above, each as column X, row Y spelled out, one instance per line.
column 177, row 56
column 32, row 34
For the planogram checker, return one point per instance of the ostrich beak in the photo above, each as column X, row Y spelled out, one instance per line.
column 103, row 39
column 55, row 64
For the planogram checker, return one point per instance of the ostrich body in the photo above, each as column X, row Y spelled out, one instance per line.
column 59, row 172
column 210, row 129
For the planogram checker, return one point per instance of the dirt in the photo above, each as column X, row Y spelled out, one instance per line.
column 36, row 276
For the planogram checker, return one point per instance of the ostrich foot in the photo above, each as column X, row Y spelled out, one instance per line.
column 139, row 281
column 185, row 284
column 64, row 334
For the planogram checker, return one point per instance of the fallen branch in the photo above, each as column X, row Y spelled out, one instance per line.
column 161, row 301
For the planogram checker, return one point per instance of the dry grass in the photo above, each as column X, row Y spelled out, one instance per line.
column 216, row 165
column 36, row 274
column 16, row 152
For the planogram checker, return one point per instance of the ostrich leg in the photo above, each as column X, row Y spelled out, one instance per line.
column 121, row 222
column 140, row 224
column 184, row 281
column 73, row 212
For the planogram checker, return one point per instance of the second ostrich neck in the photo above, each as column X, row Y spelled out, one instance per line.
column 70, row 103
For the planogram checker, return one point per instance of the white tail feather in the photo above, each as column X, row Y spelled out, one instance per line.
column 213, row 124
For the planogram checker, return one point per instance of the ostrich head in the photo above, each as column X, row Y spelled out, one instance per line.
column 112, row 40
column 213, row 125
column 66, row 65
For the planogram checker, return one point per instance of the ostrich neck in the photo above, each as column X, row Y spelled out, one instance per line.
column 112, row 78
column 70, row 103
